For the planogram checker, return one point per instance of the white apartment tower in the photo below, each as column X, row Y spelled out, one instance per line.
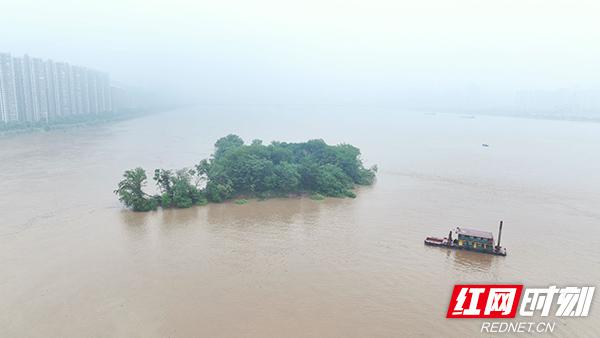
column 36, row 90
column 8, row 93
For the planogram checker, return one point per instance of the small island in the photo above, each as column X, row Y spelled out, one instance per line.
column 237, row 170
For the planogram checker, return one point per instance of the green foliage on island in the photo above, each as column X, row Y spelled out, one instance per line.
column 241, row 201
column 316, row 196
column 130, row 191
column 254, row 170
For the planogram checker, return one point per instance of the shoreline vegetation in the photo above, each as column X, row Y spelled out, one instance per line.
column 238, row 171
column 73, row 121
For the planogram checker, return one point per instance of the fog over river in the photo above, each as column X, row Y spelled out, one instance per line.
column 75, row 263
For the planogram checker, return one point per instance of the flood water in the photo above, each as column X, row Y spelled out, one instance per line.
column 74, row 263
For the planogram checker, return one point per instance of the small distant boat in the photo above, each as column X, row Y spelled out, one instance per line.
column 471, row 240
column 485, row 145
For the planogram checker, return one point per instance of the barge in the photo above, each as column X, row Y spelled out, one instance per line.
column 471, row 240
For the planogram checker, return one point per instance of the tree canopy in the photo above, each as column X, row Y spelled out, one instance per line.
column 253, row 170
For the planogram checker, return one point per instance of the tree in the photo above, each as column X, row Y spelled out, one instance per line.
column 333, row 181
column 226, row 143
column 130, row 191
column 246, row 168
column 367, row 176
column 164, row 180
column 182, row 191
column 348, row 159
column 177, row 189
column 285, row 178
column 218, row 191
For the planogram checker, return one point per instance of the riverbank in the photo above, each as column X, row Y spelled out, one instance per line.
column 77, row 121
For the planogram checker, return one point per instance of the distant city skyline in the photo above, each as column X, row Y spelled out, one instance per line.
column 34, row 90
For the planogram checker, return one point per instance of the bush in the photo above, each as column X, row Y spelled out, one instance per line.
column 165, row 201
column 317, row 197
column 350, row 193
column 130, row 191
column 333, row 181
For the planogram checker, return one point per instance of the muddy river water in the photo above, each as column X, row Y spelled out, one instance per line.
column 74, row 263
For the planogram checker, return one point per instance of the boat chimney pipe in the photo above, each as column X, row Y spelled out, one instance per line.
column 499, row 234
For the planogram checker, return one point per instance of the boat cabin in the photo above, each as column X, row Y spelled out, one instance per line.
column 470, row 239
column 477, row 240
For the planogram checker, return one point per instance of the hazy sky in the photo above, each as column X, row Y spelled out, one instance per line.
column 321, row 51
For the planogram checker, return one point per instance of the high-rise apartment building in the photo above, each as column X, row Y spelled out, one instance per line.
column 93, row 93
column 52, row 90
column 75, row 96
column 20, row 89
column 34, row 90
column 40, row 90
column 9, row 109
column 85, row 93
column 24, row 85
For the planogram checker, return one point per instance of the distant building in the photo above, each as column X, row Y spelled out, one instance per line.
column 93, row 93
column 63, row 88
column 86, row 107
column 40, row 90
column 20, row 75
column 34, row 90
column 8, row 93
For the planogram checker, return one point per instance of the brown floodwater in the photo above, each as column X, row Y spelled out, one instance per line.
column 74, row 263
